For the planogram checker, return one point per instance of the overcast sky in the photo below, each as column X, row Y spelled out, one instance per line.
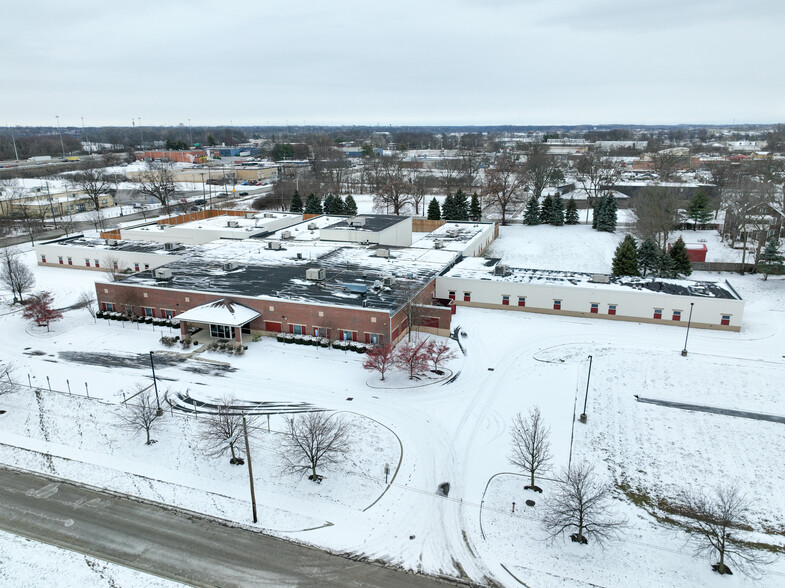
column 395, row 62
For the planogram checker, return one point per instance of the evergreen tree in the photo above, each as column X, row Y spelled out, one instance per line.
column 625, row 260
column 597, row 212
column 571, row 215
column 532, row 214
column 698, row 210
column 434, row 213
column 771, row 260
column 475, row 210
column 461, row 206
column 606, row 219
column 313, row 205
column 545, row 210
column 297, row 203
column 350, row 206
column 648, row 257
column 448, row 208
column 327, row 204
column 666, row 267
column 556, row 216
column 333, row 205
column 681, row 259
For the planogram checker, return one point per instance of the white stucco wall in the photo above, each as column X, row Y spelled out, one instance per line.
column 105, row 256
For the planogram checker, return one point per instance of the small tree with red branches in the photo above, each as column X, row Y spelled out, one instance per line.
column 413, row 357
column 39, row 308
column 380, row 358
column 439, row 353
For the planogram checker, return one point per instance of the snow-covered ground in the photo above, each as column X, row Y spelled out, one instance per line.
column 454, row 431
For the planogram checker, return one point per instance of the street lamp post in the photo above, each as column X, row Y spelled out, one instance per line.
column 155, row 385
column 59, row 132
column 586, row 396
column 689, row 322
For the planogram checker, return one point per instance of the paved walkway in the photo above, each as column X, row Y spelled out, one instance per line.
column 758, row 416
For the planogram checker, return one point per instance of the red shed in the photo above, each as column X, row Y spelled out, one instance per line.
column 697, row 252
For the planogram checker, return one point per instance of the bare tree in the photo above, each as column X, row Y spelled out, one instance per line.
column 222, row 431
column 93, row 182
column 666, row 162
column 582, row 504
column 157, row 182
column 87, row 301
column 392, row 188
column 503, row 183
column 6, row 385
column 314, row 439
column 711, row 520
column 530, row 444
column 140, row 413
column 15, row 274
column 596, row 175
column 657, row 213
column 542, row 168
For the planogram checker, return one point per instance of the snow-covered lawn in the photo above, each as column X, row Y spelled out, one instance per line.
column 454, row 431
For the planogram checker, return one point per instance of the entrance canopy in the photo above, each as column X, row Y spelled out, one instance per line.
column 221, row 312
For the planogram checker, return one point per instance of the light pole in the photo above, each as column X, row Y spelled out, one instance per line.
column 250, row 469
column 689, row 322
column 62, row 146
column 586, row 397
column 190, row 135
column 159, row 412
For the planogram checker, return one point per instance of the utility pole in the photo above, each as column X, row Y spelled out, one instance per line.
column 190, row 135
column 250, row 469
column 85, row 136
column 141, row 134
column 62, row 146
column 16, row 153
column 586, row 397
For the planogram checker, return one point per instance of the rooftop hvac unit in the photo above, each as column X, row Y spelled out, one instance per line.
column 171, row 246
column 358, row 221
column 162, row 273
column 275, row 245
column 229, row 266
column 111, row 242
column 365, row 303
column 438, row 244
column 299, row 256
column 388, row 280
column 452, row 232
column 232, row 224
column 286, row 235
column 316, row 274
column 312, row 226
column 268, row 215
column 500, row 270
column 382, row 253
column 250, row 215
column 601, row 278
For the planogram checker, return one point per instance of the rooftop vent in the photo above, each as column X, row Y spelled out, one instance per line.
column 268, row 215
column 250, row 215
column 382, row 253
column 312, row 226
column 162, row 273
column 438, row 244
column 299, row 256
column 388, row 280
column 286, row 235
column 601, row 278
column 228, row 266
column 500, row 270
column 316, row 274
column 232, row 224
column 275, row 245
column 171, row 246
column 452, row 232
column 357, row 221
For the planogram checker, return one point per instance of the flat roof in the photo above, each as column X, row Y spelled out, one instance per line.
column 157, row 247
column 479, row 268
column 453, row 236
column 373, row 222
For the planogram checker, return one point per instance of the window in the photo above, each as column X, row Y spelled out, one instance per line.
column 108, row 306
column 611, row 309
column 373, row 338
column 725, row 319
column 595, row 308
column 505, row 300
column 321, row 332
column 246, row 329
column 147, row 266
column 60, row 260
column 43, row 259
column 136, row 267
column 168, row 313
column 297, row 329
column 467, row 296
column 676, row 315
column 70, row 261
column 222, row 331
column 521, row 300
column 557, row 305
column 348, row 336
column 658, row 313
column 451, row 295
column 97, row 264
column 148, row 311
column 115, row 265
column 87, row 262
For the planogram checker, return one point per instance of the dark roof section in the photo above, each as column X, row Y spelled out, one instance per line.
column 156, row 247
column 703, row 289
column 373, row 222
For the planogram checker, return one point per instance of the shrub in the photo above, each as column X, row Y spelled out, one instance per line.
column 185, row 343
column 167, row 341
column 280, row 337
column 324, row 342
column 256, row 338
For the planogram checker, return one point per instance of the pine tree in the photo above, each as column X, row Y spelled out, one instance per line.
column 771, row 260
column 532, row 214
column 350, row 206
column 461, row 206
column 571, row 215
column 666, row 267
column 313, row 205
column 475, row 210
column 556, row 217
column 297, row 203
column 333, row 205
column 327, row 204
column 681, row 259
column 625, row 259
column 648, row 257
column 448, row 208
column 698, row 209
column 545, row 210
column 597, row 212
column 434, row 212
column 606, row 219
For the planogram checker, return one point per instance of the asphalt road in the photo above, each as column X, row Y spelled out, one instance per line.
column 177, row 546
